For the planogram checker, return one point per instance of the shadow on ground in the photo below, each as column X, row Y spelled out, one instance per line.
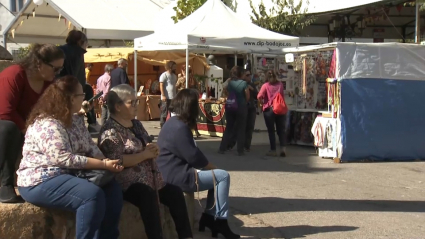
column 299, row 159
column 256, row 205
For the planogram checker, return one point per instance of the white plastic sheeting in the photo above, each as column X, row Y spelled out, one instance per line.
column 395, row 61
column 215, row 27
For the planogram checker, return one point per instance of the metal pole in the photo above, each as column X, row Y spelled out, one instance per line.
column 187, row 67
column 236, row 59
column 418, row 23
column 5, row 41
column 135, row 71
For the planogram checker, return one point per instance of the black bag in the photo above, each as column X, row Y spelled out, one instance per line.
column 98, row 177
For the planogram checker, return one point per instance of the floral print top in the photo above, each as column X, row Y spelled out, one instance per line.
column 116, row 140
column 50, row 150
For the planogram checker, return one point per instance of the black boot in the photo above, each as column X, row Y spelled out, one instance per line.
column 222, row 227
column 8, row 194
column 206, row 220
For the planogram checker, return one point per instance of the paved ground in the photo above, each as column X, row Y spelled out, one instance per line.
column 305, row 196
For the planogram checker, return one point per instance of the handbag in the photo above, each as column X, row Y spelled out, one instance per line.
column 99, row 177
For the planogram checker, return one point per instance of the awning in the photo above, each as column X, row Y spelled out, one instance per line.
column 156, row 58
column 99, row 19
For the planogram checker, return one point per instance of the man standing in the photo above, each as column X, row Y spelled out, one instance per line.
column 88, row 72
column 167, row 85
column 119, row 75
column 104, row 84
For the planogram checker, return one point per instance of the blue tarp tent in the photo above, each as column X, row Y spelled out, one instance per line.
column 380, row 101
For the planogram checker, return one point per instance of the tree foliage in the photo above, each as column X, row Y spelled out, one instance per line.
column 186, row 7
column 413, row 3
column 284, row 17
column 23, row 51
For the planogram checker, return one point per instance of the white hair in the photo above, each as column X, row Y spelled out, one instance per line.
column 118, row 95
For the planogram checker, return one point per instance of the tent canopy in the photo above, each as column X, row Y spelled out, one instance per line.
column 100, row 19
column 156, row 58
column 214, row 26
column 374, row 60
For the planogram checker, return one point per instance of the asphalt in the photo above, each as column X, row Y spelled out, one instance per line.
column 305, row 196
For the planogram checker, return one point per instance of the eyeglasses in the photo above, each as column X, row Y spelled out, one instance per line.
column 133, row 103
column 56, row 69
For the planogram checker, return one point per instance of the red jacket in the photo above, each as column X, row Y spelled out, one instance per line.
column 17, row 98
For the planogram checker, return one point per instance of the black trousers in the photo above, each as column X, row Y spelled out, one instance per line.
column 11, row 140
column 164, row 111
column 145, row 198
column 235, row 128
column 91, row 115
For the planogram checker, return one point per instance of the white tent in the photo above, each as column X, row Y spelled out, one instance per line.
column 215, row 27
column 99, row 19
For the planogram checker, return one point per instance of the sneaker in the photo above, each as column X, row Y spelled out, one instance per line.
column 283, row 152
column 8, row 194
column 271, row 153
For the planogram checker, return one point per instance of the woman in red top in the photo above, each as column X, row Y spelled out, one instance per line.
column 20, row 87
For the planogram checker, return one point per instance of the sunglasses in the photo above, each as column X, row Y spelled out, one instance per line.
column 55, row 68
column 133, row 103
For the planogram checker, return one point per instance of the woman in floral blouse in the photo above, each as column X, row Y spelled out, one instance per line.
column 124, row 138
column 56, row 140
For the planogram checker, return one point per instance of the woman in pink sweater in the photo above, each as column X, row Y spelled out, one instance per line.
column 266, row 95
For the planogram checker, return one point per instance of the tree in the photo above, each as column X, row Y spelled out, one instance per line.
column 284, row 17
column 186, row 7
column 23, row 51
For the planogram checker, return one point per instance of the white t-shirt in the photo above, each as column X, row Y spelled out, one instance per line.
column 169, row 81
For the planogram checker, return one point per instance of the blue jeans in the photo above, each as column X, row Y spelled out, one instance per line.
column 222, row 178
column 97, row 209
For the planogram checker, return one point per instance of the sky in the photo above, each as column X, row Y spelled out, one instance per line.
column 244, row 10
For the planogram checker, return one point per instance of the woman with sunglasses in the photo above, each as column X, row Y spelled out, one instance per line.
column 125, row 138
column 268, row 92
column 21, row 86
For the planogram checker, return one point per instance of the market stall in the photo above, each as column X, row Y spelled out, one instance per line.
column 304, row 80
column 204, row 32
column 375, row 97
column 149, row 68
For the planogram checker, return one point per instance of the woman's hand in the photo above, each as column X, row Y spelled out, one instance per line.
column 85, row 107
column 150, row 152
column 112, row 165
column 153, row 146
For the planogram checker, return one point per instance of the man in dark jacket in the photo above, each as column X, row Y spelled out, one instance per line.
column 119, row 75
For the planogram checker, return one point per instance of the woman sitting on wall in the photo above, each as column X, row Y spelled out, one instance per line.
column 56, row 142
column 183, row 164
column 21, row 86
column 125, row 138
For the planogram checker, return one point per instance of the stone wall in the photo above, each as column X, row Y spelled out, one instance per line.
column 26, row 221
column 4, row 64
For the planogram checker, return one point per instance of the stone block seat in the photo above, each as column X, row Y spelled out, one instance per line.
column 26, row 221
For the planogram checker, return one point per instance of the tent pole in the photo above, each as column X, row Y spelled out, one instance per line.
column 236, row 59
column 135, row 71
column 187, row 67
column 418, row 23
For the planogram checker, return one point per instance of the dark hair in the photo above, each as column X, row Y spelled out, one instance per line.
column 109, row 68
column 236, row 72
column 169, row 65
column 76, row 37
column 271, row 77
column 56, row 102
column 90, row 65
column 185, row 105
column 41, row 53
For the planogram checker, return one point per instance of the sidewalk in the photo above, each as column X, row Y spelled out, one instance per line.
column 305, row 196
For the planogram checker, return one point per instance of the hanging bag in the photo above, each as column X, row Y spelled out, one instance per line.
column 232, row 102
column 279, row 106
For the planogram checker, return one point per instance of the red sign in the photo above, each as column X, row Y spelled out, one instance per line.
column 378, row 35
